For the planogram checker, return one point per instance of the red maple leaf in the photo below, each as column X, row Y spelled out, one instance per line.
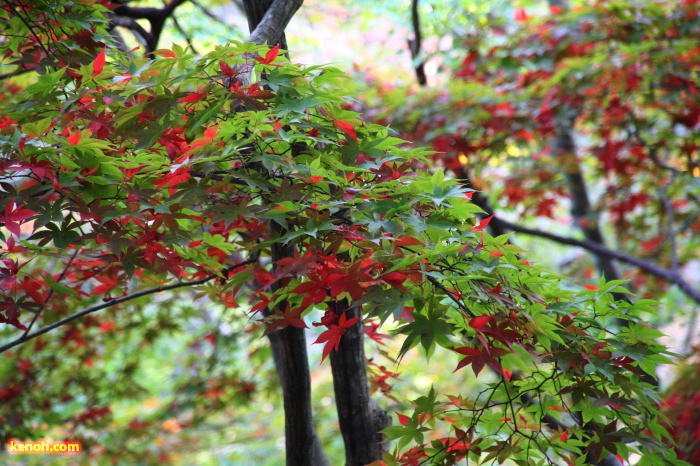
column 483, row 224
column 173, row 178
column 226, row 69
column 347, row 127
column 479, row 358
column 334, row 333
column 477, row 323
column 193, row 97
column 284, row 319
column 270, row 56
column 99, row 63
column 108, row 283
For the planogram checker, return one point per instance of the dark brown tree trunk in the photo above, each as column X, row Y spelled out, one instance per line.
column 359, row 416
column 302, row 445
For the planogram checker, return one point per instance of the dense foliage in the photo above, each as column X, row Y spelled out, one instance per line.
column 124, row 177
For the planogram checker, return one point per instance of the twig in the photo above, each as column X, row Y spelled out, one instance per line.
column 122, row 299
column 48, row 296
column 451, row 296
column 652, row 150
column 211, row 15
column 184, row 34
column 17, row 72
column 671, row 229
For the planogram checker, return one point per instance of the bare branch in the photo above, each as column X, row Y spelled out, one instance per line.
column 17, row 72
column 670, row 276
column 155, row 16
column 671, row 229
column 120, row 300
column 133, row 26
column 414, row 45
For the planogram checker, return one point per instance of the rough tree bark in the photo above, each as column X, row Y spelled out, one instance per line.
column 360, row 417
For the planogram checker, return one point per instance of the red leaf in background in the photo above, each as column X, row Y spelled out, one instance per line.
column 371, row 331
column 334, row 333
column 271, row 55
column 107, row 284
column 193, row 97
column 555, row 10
column 591, row 287
column 14, row 216
column 5, row 121
column 483, row 224
column 165, row 53
column 32, row 288
column 347, row 127
column 520, row 15
column 99, row 63
column 173, row 178
column 107, row 326
column 11, row 247
column 75, row 137
column 394, row 279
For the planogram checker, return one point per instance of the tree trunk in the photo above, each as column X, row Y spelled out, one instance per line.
column 359, row 416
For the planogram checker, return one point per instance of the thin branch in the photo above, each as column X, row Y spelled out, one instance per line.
column 29, row 27
column 120, row 300
column 50, row 294
column 459, row 303
column 653, row 155
column 671, row 229
column 211, row 15
column 670, row 276
column 17, row 72
column 133, row 26
column 184, row 34
column 414, row 45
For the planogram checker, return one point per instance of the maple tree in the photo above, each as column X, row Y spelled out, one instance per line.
column 241, row 180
